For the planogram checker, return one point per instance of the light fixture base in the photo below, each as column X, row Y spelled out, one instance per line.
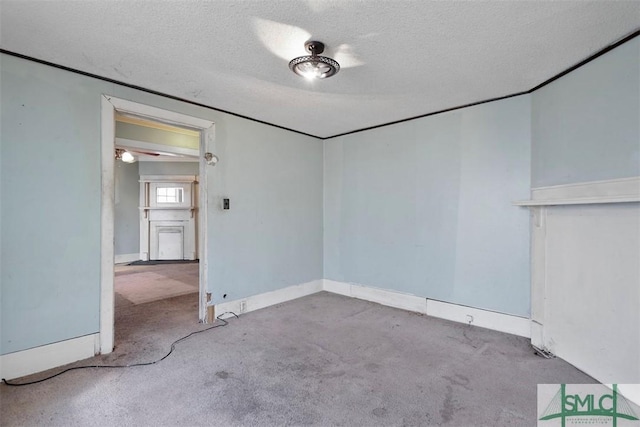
column 314, row 47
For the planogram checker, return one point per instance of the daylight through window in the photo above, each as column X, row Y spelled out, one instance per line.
column 169, row 195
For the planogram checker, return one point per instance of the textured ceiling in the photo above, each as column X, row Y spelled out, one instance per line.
column 400, row 58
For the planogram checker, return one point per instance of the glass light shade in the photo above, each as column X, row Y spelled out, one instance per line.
column 127, row 157
column 314, row 67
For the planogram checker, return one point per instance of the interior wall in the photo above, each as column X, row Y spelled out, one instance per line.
column 51, row 205
column 169, row 168
column 585, row 124
column 424, row 207
column 586, row 127
column 127, row 214
column 156, row 136
column 271, row 237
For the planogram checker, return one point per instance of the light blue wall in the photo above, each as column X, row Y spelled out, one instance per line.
column 156, row 136
column 127, row 214
column 50, row 185
column 424, row 207
column 51, row 205
column 272, row 235
column 586, row 125
column 169, row 168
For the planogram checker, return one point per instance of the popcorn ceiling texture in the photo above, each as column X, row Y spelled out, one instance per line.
column 400, row 58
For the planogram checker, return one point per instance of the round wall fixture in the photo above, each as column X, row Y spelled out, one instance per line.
column 314, row 66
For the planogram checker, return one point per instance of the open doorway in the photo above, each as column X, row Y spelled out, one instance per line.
column 156, row 222
column 153, row 230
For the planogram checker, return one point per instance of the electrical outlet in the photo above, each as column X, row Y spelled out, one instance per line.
column 243, row 306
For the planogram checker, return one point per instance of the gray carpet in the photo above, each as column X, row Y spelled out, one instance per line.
column 322, row 360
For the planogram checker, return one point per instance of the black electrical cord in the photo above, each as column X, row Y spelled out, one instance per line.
column 173, row 346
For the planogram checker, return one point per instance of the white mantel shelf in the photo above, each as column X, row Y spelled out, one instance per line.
column 623, row 190
column 585, row 201
column 166, row 208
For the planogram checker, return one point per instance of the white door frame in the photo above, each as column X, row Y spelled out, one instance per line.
column 110, row 105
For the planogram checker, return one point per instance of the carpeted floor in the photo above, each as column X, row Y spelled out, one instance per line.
column 322, row 360
column 141, row 284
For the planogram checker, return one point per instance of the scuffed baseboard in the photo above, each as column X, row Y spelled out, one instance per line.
column 502, row 322
column 381, row 296
column 458, row 313
column 256, row 302
column 37, row 359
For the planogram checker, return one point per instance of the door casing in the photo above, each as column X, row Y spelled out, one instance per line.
column 110, row 105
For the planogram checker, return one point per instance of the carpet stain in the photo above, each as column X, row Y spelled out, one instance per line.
column 335, row 374
column 372, row 367
column 459, row 380
column 222, row 374
column 482, row 349
column 380, row 412
column 449, row 406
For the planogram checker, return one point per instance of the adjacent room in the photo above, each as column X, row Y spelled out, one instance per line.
column 156, row 174
column 320, row 212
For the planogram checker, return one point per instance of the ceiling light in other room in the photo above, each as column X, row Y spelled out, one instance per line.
column 314, row 66
column 125, row 156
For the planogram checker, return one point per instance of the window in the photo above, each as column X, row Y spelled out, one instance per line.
column 169, row 195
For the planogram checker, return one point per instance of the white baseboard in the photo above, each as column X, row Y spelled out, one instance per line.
column 38, row 359
column 458, row 313
column 484, row 318
column 267, row 299
column 126, row 258
column 381, row 296
column 33, row 360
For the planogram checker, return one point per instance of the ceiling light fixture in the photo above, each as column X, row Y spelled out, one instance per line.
column 125, row 156
column 314, row 66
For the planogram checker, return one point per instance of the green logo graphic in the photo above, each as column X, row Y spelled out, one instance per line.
column 606, row 407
